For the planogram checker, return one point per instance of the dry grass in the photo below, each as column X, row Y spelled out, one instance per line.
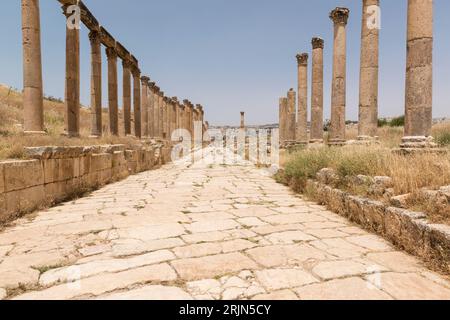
column 12, row 140
column 409, row 173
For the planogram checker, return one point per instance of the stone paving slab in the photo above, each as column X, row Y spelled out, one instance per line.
column 203, row 231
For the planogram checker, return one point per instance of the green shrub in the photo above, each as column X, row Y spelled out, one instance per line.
column 397, row 122
column 443, row 138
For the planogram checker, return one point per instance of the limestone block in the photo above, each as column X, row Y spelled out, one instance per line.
column 31, row 198
column 438, row 244
column 2, row 178
column 23, row 174
column 100, row 162
column 12, row 203
column 374, row 213
column 413, row 232
column 400, row 201
column 85, row 165
column 393, row 224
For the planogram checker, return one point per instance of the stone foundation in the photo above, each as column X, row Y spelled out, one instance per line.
column 59, row 173
column 408, row 230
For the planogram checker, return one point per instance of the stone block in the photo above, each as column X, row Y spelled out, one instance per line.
column 413, row 232
column 2, row 178
column 85, row 165
column 373, row 213
column 438, row 244
column 23, row 174
column 100, row 162
column 393, row 224
column 32, row 198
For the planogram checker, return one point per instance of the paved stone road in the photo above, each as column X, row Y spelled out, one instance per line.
column 203, row 232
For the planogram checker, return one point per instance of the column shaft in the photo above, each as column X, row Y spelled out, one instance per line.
column 338, row 96
column 72, row 87
column 96, row 84
column 419, row 75
column 113, row 107
column 126, row 84
column 317, row 91
column 282, row 119
column 137, row 103
column 368, row 85
column 290, row 119
column 33, row 106
column 144, row 105
column 302, row 111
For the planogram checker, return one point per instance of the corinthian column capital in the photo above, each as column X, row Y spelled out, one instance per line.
column 340, row 15
column 317, row 43
column 302, row 59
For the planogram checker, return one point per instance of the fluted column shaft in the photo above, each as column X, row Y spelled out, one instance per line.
column 33, row 105
column 368, row 85
column 113, row 106
column 161, row 115
column 242, row 120
column 151, row 110
column 302, row 111
column 338, row 96
column 72, row 85
column 317, row 91
column 419, row 75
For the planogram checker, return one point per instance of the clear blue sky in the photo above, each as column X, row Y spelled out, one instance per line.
column 230, row 55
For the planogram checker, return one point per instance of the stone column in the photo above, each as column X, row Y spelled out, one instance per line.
column 290, row 117
column 144, row 109
column 161, row 114
column 282, row 120
column 338, row 95
column 156, row 108
column 112, row 92
column 368, row 81
column 72, row 85
column 96, row 84
column 151, row 110
column 419, row 76
column 33, row 105
column 242, row 120
column 302, row 111
column 316, row 135
column 126, row 84
column 137, row 101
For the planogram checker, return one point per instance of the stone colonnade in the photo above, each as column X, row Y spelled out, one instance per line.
column 154, row 115
column 419, row 81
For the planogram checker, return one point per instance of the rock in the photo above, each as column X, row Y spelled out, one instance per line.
column 382, row 181
column 445, row 191
column 362, row 180
column 400, row 201
column 327, row 176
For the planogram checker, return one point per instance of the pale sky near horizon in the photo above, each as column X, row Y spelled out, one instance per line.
column 230, row 55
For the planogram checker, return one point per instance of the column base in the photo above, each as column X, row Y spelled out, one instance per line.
column 94, row 136
column 418, row 142
column 70, row 135
column 35, row 133
column 316, row 141
column 336, row 142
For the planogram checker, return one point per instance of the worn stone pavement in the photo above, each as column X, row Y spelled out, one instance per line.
column 203, row 232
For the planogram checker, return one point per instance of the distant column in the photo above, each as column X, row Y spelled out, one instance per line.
column 338, row 96
column 290, row 119
column 144, row 109
column 161, row 114
column 317, row 91
column 112, row 92
column 156, row 108
column 137, row 101
column 33, row 105
column 96, row 84
column 72, row 86
column 368, row 82
column 282, row 120
column 419, row 76
column 242, row 120
column 302, row 112
column 126, row 83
